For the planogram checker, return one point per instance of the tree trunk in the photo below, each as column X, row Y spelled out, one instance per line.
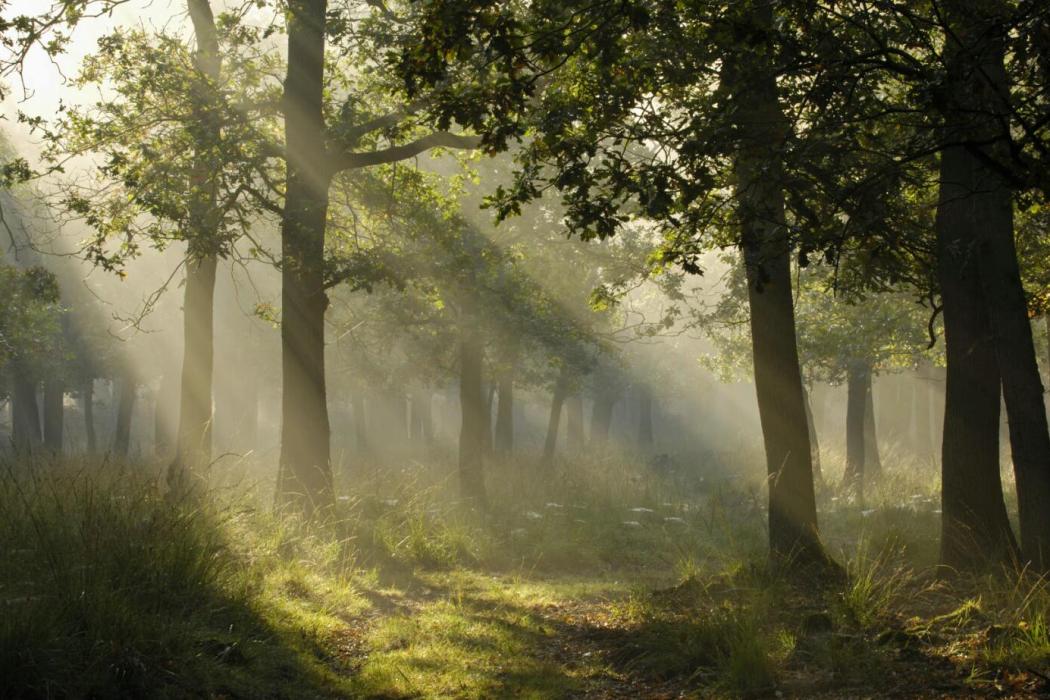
column 857, row 377
column 872, row 458
column 645, row 417
column 125, row 410
column 814, row 444
column 505, row 415
column 472, row 406
column 488, row 393
column 54, row 425
column 164, row 415
column 574, row 437
column 601, row 418
column 25, row 413
column 193, row 437
column 922, row 439
column 360, row 424
column 748, row 75
column 1012, row 332
column 305, row 472
column 193, row 440
column 975, row 530
column 550, row 445
column 87, row 398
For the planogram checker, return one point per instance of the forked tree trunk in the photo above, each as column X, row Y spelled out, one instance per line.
column 749, row 78
column 305, row 472
column 472, row 406
column 54, row 424
column 975, row 530
column 87, row 398
column 1008, row 307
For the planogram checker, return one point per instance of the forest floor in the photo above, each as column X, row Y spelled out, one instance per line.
column 613, row 582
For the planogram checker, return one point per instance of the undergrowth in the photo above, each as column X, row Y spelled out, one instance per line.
column 111, row 588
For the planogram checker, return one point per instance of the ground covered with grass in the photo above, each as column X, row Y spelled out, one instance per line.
column 602, row 580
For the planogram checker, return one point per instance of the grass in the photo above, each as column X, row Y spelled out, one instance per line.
column 599, row 580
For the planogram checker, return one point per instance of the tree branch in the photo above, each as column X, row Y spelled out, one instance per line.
column 438, row 139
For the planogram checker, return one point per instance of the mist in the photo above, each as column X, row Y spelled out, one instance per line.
column 427, row 349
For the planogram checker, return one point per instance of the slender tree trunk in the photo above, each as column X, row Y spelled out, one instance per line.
column 601, row 418
column 125, row 410
column 488, row 393
column 975, row 530
column 164, row 416
column 923, row 435
column 25, row 413
column 305, row 473
column 857, row 377
column 360, row 423
column 472, row 406
column 193, row 438
column 574, row 437
column 87, row 398
column 505, row 413
column 550, row 445
column 749, row 78
column 814, row 444
column 1046, row 332
column 645, row 417
column 54, row 424
column 872, row 458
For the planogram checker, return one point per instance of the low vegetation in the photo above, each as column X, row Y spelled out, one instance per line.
column 625, row 587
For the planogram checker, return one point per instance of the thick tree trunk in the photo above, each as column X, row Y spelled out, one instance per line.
column 814, row 443
column 87, row 399
column 749, row 78
column 54, row 424
column 857, row 377
column 1014, row 346
column 982, row 219
column 550, row 445
column 125, row 410
column 25, row 414
column 872, row 458
column 305, row 472
column 472, row 406
column 645, row 417
column 975, row 530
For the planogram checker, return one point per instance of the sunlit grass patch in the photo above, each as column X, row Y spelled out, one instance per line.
column 475, row 641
